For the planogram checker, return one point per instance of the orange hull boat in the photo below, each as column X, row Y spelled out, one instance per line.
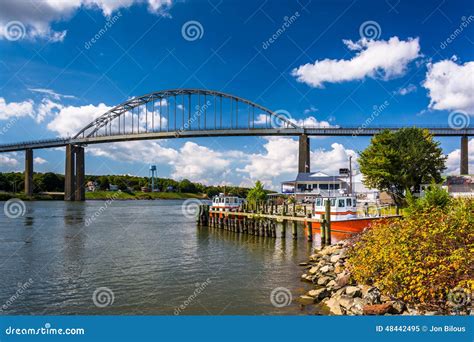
column 353, row 225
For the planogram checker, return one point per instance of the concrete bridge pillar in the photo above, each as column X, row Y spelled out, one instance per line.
column 464, row 156
column 304, row 154
column 74, row 189
column 29, row 172
column 80, row 190
column 69, row 174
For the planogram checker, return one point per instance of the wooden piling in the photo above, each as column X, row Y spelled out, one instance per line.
column 328, row 222
column 293, row 230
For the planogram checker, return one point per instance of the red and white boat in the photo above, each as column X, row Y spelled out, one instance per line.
column 344, row 216
column 226, row 203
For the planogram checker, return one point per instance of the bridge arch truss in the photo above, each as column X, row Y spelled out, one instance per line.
column 179, row 110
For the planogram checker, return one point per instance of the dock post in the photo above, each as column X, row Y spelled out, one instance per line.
column 293, row 230
column 328, row 222
column 310, row 231
column 323, row 229
column 283, row 228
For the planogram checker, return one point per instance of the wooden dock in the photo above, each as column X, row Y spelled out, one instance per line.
column 261, row 220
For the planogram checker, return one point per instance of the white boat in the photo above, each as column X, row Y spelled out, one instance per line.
column 344, row 216
column 226, row 203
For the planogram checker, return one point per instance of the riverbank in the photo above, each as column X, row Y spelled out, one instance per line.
column 105, row 195
column 336, row 291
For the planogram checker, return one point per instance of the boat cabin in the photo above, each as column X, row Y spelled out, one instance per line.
column 342, row 207
column 226, row 203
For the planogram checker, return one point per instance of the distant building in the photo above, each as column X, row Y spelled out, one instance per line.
column 91, row 186
column 456, row 186
column 113, row 187
column 460, row 186
column 310, row 185
column 307, row 186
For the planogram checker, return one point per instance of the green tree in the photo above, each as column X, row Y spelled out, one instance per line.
column 49, row 181
column 397, row 162
column 186, row 186
column 257, row 193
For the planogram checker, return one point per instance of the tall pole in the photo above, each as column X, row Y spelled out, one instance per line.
column 350, row 174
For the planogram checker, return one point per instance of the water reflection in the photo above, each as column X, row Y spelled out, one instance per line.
column 149, row 255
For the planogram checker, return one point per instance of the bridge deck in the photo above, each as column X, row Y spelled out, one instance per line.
column 333, row 131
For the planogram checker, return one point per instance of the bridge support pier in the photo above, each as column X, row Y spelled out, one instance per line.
column 74, row 174
column 464, row 156
column 80, row 194
column 29, row 172
column 304, row 154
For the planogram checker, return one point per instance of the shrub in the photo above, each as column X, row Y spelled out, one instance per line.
column 421, row 257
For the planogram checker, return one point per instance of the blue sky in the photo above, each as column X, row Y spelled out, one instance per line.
column 329, row 61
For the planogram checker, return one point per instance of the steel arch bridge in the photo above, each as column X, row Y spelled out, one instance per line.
column 186, row 113
column 180, row 110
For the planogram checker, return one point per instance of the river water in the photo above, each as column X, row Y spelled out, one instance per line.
column 141, row 258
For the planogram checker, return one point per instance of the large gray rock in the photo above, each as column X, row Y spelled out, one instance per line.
column 319, row 294
column 371, row 294
column 322, row 281
column 305, row 300
column 326, row 269
column 333, row 305
column 346, row 302
column 353, row 291
column 342, row 279
column 335, row 258
column 357, row 307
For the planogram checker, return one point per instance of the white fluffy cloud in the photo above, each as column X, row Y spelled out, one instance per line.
column 387, row 58
column 37, row 18
column 192, row 161
column 8, row 161
column 454, row 159
column 330, row 161
column 451, row 86
column 15, row 109
column 71, row 119
column 39, row 160
column 279, row 158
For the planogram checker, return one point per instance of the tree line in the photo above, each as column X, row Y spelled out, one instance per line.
column 53, row 182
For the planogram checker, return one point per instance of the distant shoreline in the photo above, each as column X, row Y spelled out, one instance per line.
column 106, row 195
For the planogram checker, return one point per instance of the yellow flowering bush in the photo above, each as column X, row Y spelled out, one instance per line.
column 421, row 257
